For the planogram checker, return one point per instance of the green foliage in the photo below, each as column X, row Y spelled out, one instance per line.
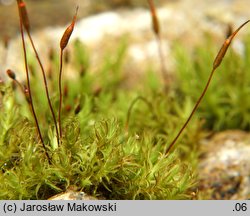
column 8, row 112
column 114, row 138
column 226, row 104
column 106, row 162
column 98, row 154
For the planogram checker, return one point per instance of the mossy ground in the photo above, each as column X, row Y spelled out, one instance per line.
column 101, row 152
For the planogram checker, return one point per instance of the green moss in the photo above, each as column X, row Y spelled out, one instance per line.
column 115, row 137
column 97, row 153
column 104, row 162
column 226, row 105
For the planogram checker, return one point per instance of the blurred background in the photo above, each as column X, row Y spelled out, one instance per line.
column 177, row 16
column 100, row 23
column 58, row 12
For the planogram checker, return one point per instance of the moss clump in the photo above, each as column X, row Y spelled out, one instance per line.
column 97, row 155
column 114, row 140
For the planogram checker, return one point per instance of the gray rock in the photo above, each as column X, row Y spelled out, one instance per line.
column 224, row 169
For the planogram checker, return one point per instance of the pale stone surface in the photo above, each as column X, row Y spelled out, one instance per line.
column 224, row 168
column 72, row 195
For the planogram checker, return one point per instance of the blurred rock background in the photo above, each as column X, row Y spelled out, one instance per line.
column 102, row 25
column 58, row 12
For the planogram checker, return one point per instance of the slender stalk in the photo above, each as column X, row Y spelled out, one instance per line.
column 45, row 85
column 12, row 75
column 60, row 92
column 28, row 85
column 165, row 75
column 217, row 61
column 156, row 30
column 63, row 43
column 192, row 113
column 131, row 107
column 25, row 21
column 23, row 88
